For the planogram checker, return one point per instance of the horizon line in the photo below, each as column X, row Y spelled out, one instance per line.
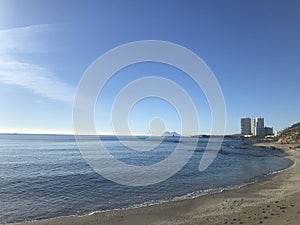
column 32, row 133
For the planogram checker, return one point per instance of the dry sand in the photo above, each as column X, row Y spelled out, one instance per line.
column 274, row 201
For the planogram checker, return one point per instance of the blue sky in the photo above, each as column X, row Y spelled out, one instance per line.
column 253, row 48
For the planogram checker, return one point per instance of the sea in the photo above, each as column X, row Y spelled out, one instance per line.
column 46, row 176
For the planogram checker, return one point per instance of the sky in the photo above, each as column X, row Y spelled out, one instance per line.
column 252, row 48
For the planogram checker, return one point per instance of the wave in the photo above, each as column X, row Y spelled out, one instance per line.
column 195, row 194
column 191, row 195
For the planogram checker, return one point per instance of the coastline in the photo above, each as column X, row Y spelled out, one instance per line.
column 274, row 200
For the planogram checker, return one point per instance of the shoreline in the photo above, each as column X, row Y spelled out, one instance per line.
column 272, row 200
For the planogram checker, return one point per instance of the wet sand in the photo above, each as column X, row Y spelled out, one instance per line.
column 273, row 201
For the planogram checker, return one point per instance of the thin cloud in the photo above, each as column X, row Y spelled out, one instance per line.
column 29, row 39
column 16, row 42
column 35, row 78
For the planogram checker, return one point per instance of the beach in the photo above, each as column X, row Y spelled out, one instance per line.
column 274, row 200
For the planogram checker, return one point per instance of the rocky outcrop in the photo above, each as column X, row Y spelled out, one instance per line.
column 290, row 135
column 171, row 134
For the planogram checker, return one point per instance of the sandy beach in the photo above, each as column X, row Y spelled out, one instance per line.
column 273, row 201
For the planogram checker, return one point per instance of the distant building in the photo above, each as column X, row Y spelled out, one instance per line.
column 246, row 126
column 258, row 127
column 269, row 131
column 277, row 133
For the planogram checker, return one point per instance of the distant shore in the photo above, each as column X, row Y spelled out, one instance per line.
column 273, row 201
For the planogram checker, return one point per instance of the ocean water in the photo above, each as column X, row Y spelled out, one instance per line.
column 44, row 176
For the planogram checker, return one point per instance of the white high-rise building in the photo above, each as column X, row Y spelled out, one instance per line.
column 258, row 127
column 246, row 126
